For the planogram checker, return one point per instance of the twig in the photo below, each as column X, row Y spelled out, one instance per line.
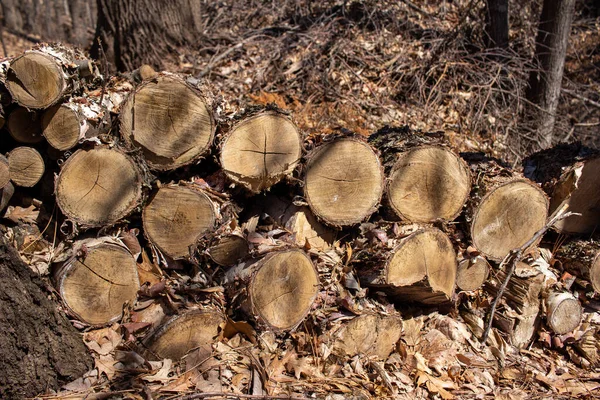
column 582, row 98
column 239, row 396
column 514, row 256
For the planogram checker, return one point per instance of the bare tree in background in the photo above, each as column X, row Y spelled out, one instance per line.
column 135, row 32
column 546, row 80
column 497, row 23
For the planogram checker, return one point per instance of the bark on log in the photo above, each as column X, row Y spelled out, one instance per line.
column 261, row 150
column 278, row 290
column 40, row 348
column 97, row 280
column 170, row 120
column 343, row 183
column 180, row 334
column 177, row 217
column 87, row 191
column 26, row 166
column 25, row 126
column 472, row 273
column 6, row 194
column 421, row 268
column 563, row 312
column 582, row 259
column 4, row 172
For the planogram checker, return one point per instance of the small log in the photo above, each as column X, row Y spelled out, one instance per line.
column 369, row 335
column 472, row 273
column 343, row 182
column 428, row 184
column 582, row 259
column 97, row 280
column 182, row 333
column 563, row 312
column 25, row 126
column 261, row 150
column 176, row 217
column 4, row 172
column 169, row 120
column 98, row 187
column 65, row 124
column 280, row 288
column 421, row 268
column 26, row 166
column 229, row 249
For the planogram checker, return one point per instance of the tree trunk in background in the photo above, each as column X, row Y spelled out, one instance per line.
column 136, row 32
column 70, row 21
column 545, row 81
column 40, row 348
column 497, row 23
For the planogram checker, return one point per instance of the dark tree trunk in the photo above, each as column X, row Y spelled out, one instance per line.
column 136, row 32
column 40, row 349
column 51, row 20
column 497, row 23
column 551, row 48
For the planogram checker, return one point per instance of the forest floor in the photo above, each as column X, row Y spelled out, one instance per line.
column 359, row 66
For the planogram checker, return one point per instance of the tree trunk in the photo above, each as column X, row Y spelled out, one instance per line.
column 497, row 23
column 545, row 81
column 40, row 349
column 136, row 32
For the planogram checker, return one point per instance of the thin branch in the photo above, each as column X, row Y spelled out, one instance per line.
column 239, row 396
column 516, row 255
column 580, row 97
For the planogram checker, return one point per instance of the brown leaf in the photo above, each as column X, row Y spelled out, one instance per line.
column 18, row 214
column 232, row 327
column 103, row 341
column 162, row 374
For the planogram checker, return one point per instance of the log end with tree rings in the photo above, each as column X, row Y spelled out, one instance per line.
column 472, row 273
column 35, row 80
column 169, row 120
column 97, row 283
column 261, row 150
column 26, row 166
column 98, row 187
column 4, row 172
column 344, row 182
column 428, row 183
column 563, row 312
column 283, row 289
column 424, row 260
column 507, row 217
column 580, row 187
column 25, row 126
column 182, row 333
column 176, row 217
column 368, row 335
column 61, row 127
column 228, row 250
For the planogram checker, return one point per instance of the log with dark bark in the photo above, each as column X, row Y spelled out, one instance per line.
column 25, row 126
column 40, row 348
column 582, row 259
column 497, row 23
column 228, row 250
column 343, row 182
column 4, row 172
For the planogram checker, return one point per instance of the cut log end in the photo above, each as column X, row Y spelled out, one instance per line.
column 472, row 273
column 284, row 289
column 96, row 286
column 4, row 172
column 261, row 150
column 176, row 217
column 427, row 184
column 35, row 80
column 344, row 182
column 563, row 312
column 26, row 166
column 61, row 127
column 183, row 333
column 229, row 250
column 580, row 188
column 369, row 336
column 508, row 217
column 98, row 187
column 169, row 121
column 423, row 267
column 25, row 126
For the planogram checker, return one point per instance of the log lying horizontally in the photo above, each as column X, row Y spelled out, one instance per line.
column 4, row 172
column 472, row 273
column 25, row 126
column 261, row 150
column 343, row 182
column 26, row 166
column 563, row 312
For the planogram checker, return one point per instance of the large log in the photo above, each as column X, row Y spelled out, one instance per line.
column 170, row 120
column 261, row 150
column 343, row 182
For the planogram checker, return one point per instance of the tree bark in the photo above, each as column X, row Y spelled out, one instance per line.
column 497, row 23
column 545, row 81
column 135, row 32
column 40, row 349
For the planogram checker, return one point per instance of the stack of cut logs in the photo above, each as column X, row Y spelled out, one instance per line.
column 148, row 163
